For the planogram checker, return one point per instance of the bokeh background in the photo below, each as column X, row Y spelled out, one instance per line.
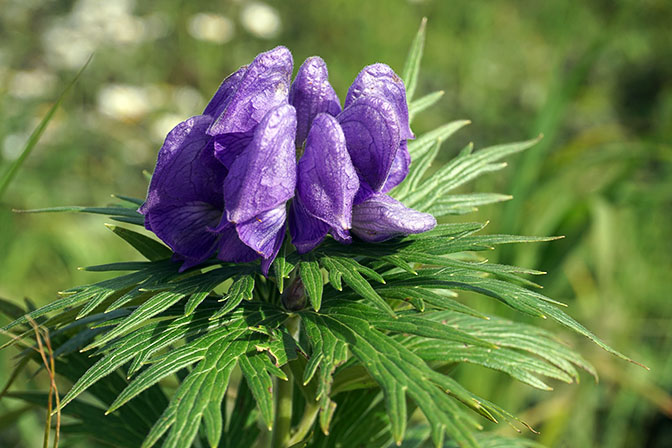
column 595, row 77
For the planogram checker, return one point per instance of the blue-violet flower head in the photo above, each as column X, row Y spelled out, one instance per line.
column 268, row 152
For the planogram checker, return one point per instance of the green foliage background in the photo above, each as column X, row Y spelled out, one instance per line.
column 595, row 77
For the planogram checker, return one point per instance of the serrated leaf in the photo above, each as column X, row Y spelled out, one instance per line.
column 311, row 276
column 355, row 280
column 460, row 170
column 241, row 289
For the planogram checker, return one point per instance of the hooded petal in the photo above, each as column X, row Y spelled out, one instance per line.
column 263, row 86
column 264, row 175
column 382, row 217
column 221, row 98
column 307, row 232
column 185, row 194
column 312, row 94
column 326, row 179
column 380, row 79
column 371, row 132
column 400, row 166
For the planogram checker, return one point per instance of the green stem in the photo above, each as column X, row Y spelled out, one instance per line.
column 282, row 425
column 306, row 423
column 283, row 411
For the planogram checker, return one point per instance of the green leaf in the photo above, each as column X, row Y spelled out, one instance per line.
column 412, row 66
column 418, row 147
column 148, row 247
column 423, row 103
column 311, row 276
column 459, row 204
column 354, row 279
column 281, row 266
column 240, row 290
column 467, row 166
column 35, row 136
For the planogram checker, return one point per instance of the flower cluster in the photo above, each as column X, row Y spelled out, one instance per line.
column 224, row 179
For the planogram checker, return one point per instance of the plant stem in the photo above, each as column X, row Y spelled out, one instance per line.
column 306, row 423
column 282, row 425
column 283, row 411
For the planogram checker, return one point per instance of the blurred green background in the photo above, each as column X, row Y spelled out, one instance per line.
column 595, row 77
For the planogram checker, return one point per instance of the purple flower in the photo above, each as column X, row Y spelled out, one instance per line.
column 265, row 148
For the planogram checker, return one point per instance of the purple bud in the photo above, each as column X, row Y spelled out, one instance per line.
column 371, row 132
column 380, row 80
column 381, row 217
column 263, row 86
column 312, row 94
column 264, row 175
column 326, row 180
column 185, row 195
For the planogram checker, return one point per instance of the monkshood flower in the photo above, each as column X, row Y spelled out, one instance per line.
column 267, row 151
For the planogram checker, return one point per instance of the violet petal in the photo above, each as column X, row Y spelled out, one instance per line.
column 326, row 179
column 380, row 79
column 307, row 232
column 231, row 248
column 264, row 175
column 260, row 232
column 229, row 146
column 382, row 217
column 264, row 86
column 312, row 94
column 399, row 169
column 185, row 195
column 371, row 132
column 224, row 93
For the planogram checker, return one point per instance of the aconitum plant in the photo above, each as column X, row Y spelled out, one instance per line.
column 302, row 293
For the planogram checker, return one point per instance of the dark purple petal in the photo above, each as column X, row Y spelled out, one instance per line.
column 307, row 232
column 267, row 262
column 264, row 175
column 260, row 232
column 380, row 79
column 371, row 132
column 382, row 217
column 326, row 179
column 312, row 94
column 264, row 86
column 184, row 228
column 231, row 248
column 400, row 166
column 185, row 195
column 221, row 99
column 229, row 146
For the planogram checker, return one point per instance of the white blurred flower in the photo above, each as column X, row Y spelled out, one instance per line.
column 13, row 144
column 67, row 47
column 211, row 28
column 187, row 99
column 93, row 23
column 163, row 125
column 123, row 102
column 260, row 19
column 31, row 84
